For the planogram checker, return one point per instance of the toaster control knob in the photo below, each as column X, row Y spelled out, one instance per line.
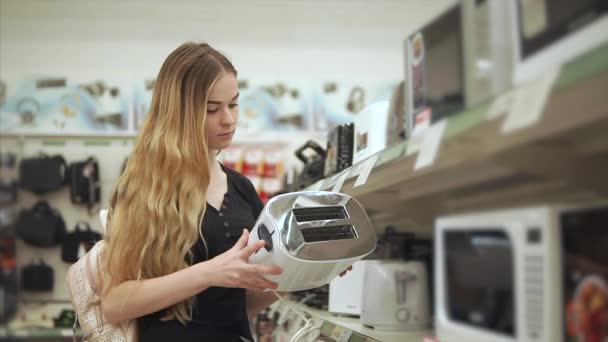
column 403, row 315
column 265, row 235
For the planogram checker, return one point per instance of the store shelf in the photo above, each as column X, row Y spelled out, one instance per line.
column 561, row 157
column 36, row 332
column 265, row 137
column 34, row 320
column 339, row 326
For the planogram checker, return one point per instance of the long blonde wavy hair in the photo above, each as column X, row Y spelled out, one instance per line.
column 159, row 201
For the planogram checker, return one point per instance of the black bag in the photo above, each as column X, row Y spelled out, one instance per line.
column 84, row 182
column 42, row 174
column 82, row 236
column 41, row 225
column 37, row 277
column 313, row 166
column 8, row 295
column 7, row 160
column 8, row 191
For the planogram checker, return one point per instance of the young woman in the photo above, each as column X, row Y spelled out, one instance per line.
column 176, row 247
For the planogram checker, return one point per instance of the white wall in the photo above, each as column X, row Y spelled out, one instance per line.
column 305, row 39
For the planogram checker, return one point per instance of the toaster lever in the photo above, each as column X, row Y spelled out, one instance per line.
column 401, row 278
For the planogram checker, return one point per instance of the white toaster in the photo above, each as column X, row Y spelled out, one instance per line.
column 396, row 295
column 346, row 293
column 313, row 236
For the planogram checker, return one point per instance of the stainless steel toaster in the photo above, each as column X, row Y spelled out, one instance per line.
column 313, row 236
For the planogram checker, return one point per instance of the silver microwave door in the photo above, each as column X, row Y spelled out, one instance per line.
column 479, row 279
column 585, row 272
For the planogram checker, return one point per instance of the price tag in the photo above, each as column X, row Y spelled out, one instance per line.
column 529, row 102
column 66, row 332
column 414, row 143
column 430, row 145
column 336, row 332
column 341, row 179
column 315, row 186
column 329, row 182
column 366, row 169
column 21, row 333
column 340, row 334
column 344, row 336
column 502, row 105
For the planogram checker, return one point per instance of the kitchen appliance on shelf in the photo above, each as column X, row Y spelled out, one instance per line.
column 346, row 293
column 457, row 60
column 395, row 295
column 527, row 274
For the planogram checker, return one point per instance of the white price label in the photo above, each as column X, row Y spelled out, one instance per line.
column 414, row 143
column 341, row 179
column 315, row 186
column 430, row 145
column 529, row 102
column 366, row 170
column 341, row 334
column 21, row 333
column 502, row 105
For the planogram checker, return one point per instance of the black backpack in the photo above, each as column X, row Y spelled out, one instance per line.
column 41, row 225
column 42, row 174
column 84, row 182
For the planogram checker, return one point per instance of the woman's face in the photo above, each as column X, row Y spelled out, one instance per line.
column 222, row 112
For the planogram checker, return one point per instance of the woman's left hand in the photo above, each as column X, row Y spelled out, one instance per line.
column 343, row 273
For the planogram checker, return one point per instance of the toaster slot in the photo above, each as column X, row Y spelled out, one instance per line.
column 319, row 213
column 329, row 233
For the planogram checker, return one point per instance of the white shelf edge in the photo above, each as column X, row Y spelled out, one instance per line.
column 354, row 324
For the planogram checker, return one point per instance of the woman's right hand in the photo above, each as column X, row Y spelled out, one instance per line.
column 232, row 268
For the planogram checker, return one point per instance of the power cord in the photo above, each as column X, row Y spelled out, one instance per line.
column 311, row 330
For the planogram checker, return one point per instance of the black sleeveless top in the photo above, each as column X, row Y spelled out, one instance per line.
column 219, row 314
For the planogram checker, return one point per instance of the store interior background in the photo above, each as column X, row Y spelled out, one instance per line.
column 301, row 43
column 126, row 41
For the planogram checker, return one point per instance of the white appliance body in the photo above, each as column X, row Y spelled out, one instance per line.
column 517, row 251
column 346, row 293
column 396, row 295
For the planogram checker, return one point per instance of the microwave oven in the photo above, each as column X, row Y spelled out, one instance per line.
column 530, row 274
column 457, row 60
column 548, row 33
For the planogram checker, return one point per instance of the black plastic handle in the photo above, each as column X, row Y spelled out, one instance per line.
column 310, row 144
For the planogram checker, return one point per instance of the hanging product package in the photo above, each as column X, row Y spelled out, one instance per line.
column 8, row 191
column 78, row 242
column 38, row 277
column 84, row 182
column 42, row 174
column 41, row 225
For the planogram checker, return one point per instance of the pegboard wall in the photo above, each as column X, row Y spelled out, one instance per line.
column 37, row 308
column 110, row 154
